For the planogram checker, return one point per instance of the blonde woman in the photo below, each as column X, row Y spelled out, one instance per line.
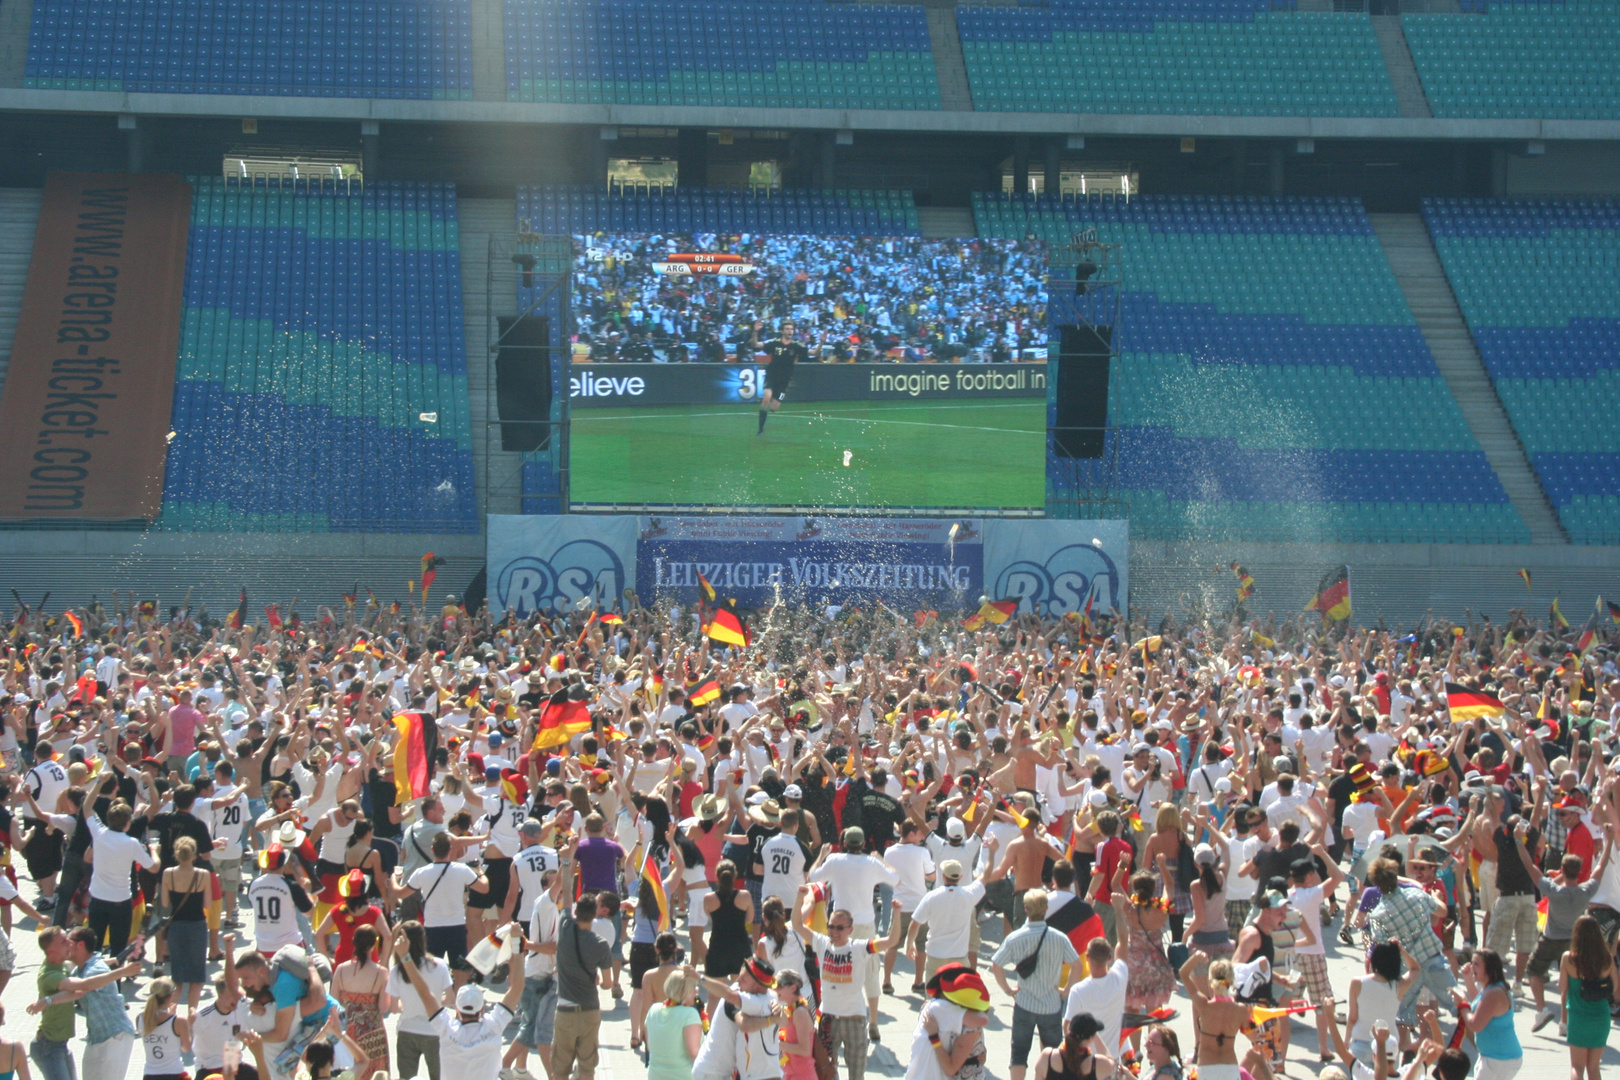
column 164, row 1032
column 186, row 890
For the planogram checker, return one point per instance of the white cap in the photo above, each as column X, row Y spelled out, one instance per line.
column 1223, row 785
column 793, row 791
column 955, row 829
column 757, row 798
column 470, row 999
column 1098, row 798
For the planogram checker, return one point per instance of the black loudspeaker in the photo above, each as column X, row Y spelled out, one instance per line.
column 1082, row 391
column 523, row 383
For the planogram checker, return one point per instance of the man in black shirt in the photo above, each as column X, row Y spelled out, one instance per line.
column 783, row 352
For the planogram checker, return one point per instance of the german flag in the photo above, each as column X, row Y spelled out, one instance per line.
column 726, row 627
column 1588, row 638
column 1555, row 617
column 610, row 619
column 1465, row 704
column 236, row 619
column 272, row 615
column 430, row 570
column 702, row 690
column 75, row 622
column 413, row 754
column 973, row 622
column 560, row 720
column 709, row 595
column 1332, row 599
column 655, row 886
column 352, row 597
column 999, row 611
column 1524, row 575
column 1245, row 586
column 147, row 609
column 1613, row 609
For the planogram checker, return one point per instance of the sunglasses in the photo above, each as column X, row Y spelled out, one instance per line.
column 840, row 926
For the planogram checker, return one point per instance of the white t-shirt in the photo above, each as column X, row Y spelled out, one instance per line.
column 717, row 1058
column 947, row 911
column 913, row 863
column 542, row 930
column 441, row 886
column 212, row 1027
column 784, row 861
column 47, row 781
column 1239, row 850
column 1307, row 900
column 412, row 1018
column 1103, row 998
column 470, row 1049
column 226, row 820
column 530, row 866
column 1201, row 781
column 112, row 855
column 854, row 878
column 1360, row 822
column 924, row 1063
column 275, row 914
column 843, row 974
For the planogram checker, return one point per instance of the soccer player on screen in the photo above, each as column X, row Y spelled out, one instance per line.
column 784, row 352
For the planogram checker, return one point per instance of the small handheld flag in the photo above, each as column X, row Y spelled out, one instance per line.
column 655, row 885
column 75, row 622
column 726, row 627
column 238, row 618
column 1556, row 617
column 430, row 570
column 1245, row 586
column 1465, row 704
column 1525, row 575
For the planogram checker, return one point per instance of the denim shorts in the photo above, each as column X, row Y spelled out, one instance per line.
column 537, row 1011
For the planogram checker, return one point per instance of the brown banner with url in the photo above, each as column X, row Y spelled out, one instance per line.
column 84, row 421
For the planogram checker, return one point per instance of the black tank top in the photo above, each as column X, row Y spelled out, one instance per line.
column 1059, row 1069
column 728, row 937
column 1267, row 949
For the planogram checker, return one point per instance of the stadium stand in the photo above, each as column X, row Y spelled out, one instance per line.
column 664, row 52
column 298, row 48
column 322, row 381
column 1273, row 384
column 842, row 212
column 1539, row 283
column 1517, row 59
column 1196, row 57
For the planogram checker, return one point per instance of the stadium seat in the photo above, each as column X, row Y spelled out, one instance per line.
column 1520, row 59
column 321, row 323
column 1272, row 384
column 290, row 48
column 1224, row 58
column 1538, row 281
column 738, row 53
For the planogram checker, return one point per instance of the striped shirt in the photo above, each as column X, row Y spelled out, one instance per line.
column 1041, row 992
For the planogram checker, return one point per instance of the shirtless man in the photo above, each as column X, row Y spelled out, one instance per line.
column 1487, row 814
column 1025, row 856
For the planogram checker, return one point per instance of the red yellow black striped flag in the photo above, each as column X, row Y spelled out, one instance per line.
column 1465, row 704
column 418, row 738
column 726, row 626
column 1332, row 599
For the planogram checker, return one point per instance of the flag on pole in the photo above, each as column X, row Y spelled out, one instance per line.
column 1556, row 617
column 1525, row 575
column 999, row 611
column 1588, row 638
column 75, row 622
column 1465, row 704
column 430, row 570
column 726, row 626
column 418, row 738
column 1613, row 609
column 706, row 589
column 272, row 615
column 702, row 691
column 1332, row 599
column 1245, row 586
column 238, row 618
column 560, row 720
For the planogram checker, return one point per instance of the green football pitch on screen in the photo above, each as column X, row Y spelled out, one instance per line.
column 829, row 453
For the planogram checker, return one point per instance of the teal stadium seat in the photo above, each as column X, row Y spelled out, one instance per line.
column 1273, row 384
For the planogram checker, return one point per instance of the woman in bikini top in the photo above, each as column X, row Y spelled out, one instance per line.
column 1216, row 1017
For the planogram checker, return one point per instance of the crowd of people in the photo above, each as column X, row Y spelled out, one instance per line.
column 853, row 299
column 243, row 849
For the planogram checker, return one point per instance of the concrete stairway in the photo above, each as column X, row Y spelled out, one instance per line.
column 1417, row 267
column 1402, row 73
column 945, row 222
column 949, row 67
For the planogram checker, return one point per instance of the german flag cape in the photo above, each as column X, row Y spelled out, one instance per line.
column 560, row 720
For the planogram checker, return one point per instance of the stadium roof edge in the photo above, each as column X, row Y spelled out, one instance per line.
column 915, row 121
